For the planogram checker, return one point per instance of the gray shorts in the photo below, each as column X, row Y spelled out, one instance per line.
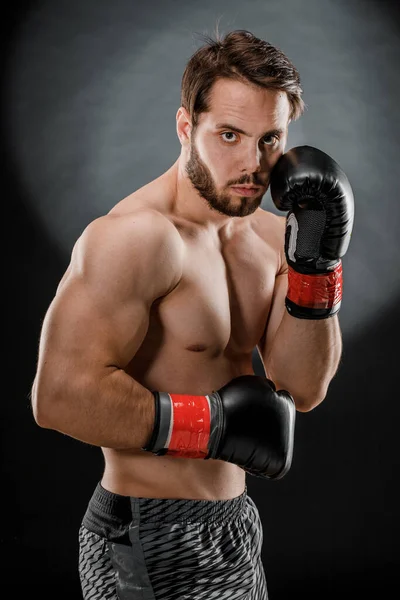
column 161, row 549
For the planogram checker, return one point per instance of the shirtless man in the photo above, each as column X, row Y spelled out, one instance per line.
column 146, row 348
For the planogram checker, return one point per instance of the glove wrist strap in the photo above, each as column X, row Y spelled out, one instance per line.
column 183, row 428
column 316, row 296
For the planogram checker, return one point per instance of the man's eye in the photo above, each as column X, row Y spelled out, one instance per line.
column 230, row 136
column 270, row 140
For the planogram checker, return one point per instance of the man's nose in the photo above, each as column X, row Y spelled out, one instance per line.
column 252, row 161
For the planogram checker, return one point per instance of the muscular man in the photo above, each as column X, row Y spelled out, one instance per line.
column 146, row 348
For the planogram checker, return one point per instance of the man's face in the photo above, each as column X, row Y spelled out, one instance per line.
column 237, row 143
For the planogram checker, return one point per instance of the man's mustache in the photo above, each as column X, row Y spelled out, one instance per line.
column 246, row 180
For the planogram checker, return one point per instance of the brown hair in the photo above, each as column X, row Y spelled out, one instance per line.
column 242, row 56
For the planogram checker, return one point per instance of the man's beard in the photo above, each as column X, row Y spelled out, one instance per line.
column 202, row 181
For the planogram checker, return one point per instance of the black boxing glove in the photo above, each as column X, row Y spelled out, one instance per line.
column 313, row 188
column 246, row 422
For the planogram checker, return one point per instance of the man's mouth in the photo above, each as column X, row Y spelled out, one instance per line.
column 246, row 190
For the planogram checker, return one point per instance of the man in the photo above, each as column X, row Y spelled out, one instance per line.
column 146, row 349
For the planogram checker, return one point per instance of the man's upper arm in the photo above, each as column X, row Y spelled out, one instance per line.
column 275, row 316
column 277, row 308
column 99, row 316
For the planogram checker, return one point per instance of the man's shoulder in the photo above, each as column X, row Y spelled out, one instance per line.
column 142, row 242
column 269, row 223
column 141, row 223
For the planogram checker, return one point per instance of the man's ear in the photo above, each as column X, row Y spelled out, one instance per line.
column 183, row 125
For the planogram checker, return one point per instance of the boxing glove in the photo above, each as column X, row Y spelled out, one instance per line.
column 246, row 422
column 317, row 194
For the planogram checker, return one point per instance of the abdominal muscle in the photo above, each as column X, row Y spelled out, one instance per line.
column 142, row 474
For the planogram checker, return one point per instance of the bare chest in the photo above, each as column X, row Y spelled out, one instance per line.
column 223, row 299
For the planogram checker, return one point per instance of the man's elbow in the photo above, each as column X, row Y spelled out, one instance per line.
column 39, row 410
column 46, row 404
column 308, row 401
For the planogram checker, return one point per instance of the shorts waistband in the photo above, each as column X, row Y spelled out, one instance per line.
column 166, row 510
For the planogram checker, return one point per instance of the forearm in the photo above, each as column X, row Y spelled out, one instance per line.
column 304, row 357
column 111, row 410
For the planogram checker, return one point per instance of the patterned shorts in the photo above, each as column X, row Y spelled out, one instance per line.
column 162, row 549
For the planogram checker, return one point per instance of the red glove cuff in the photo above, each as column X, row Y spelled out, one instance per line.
column 190, row 426
column 315, row 291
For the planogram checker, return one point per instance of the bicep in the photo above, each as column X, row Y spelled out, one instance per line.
column 90, row 331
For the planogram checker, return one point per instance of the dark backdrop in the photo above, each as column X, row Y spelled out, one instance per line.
column 88, row 101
